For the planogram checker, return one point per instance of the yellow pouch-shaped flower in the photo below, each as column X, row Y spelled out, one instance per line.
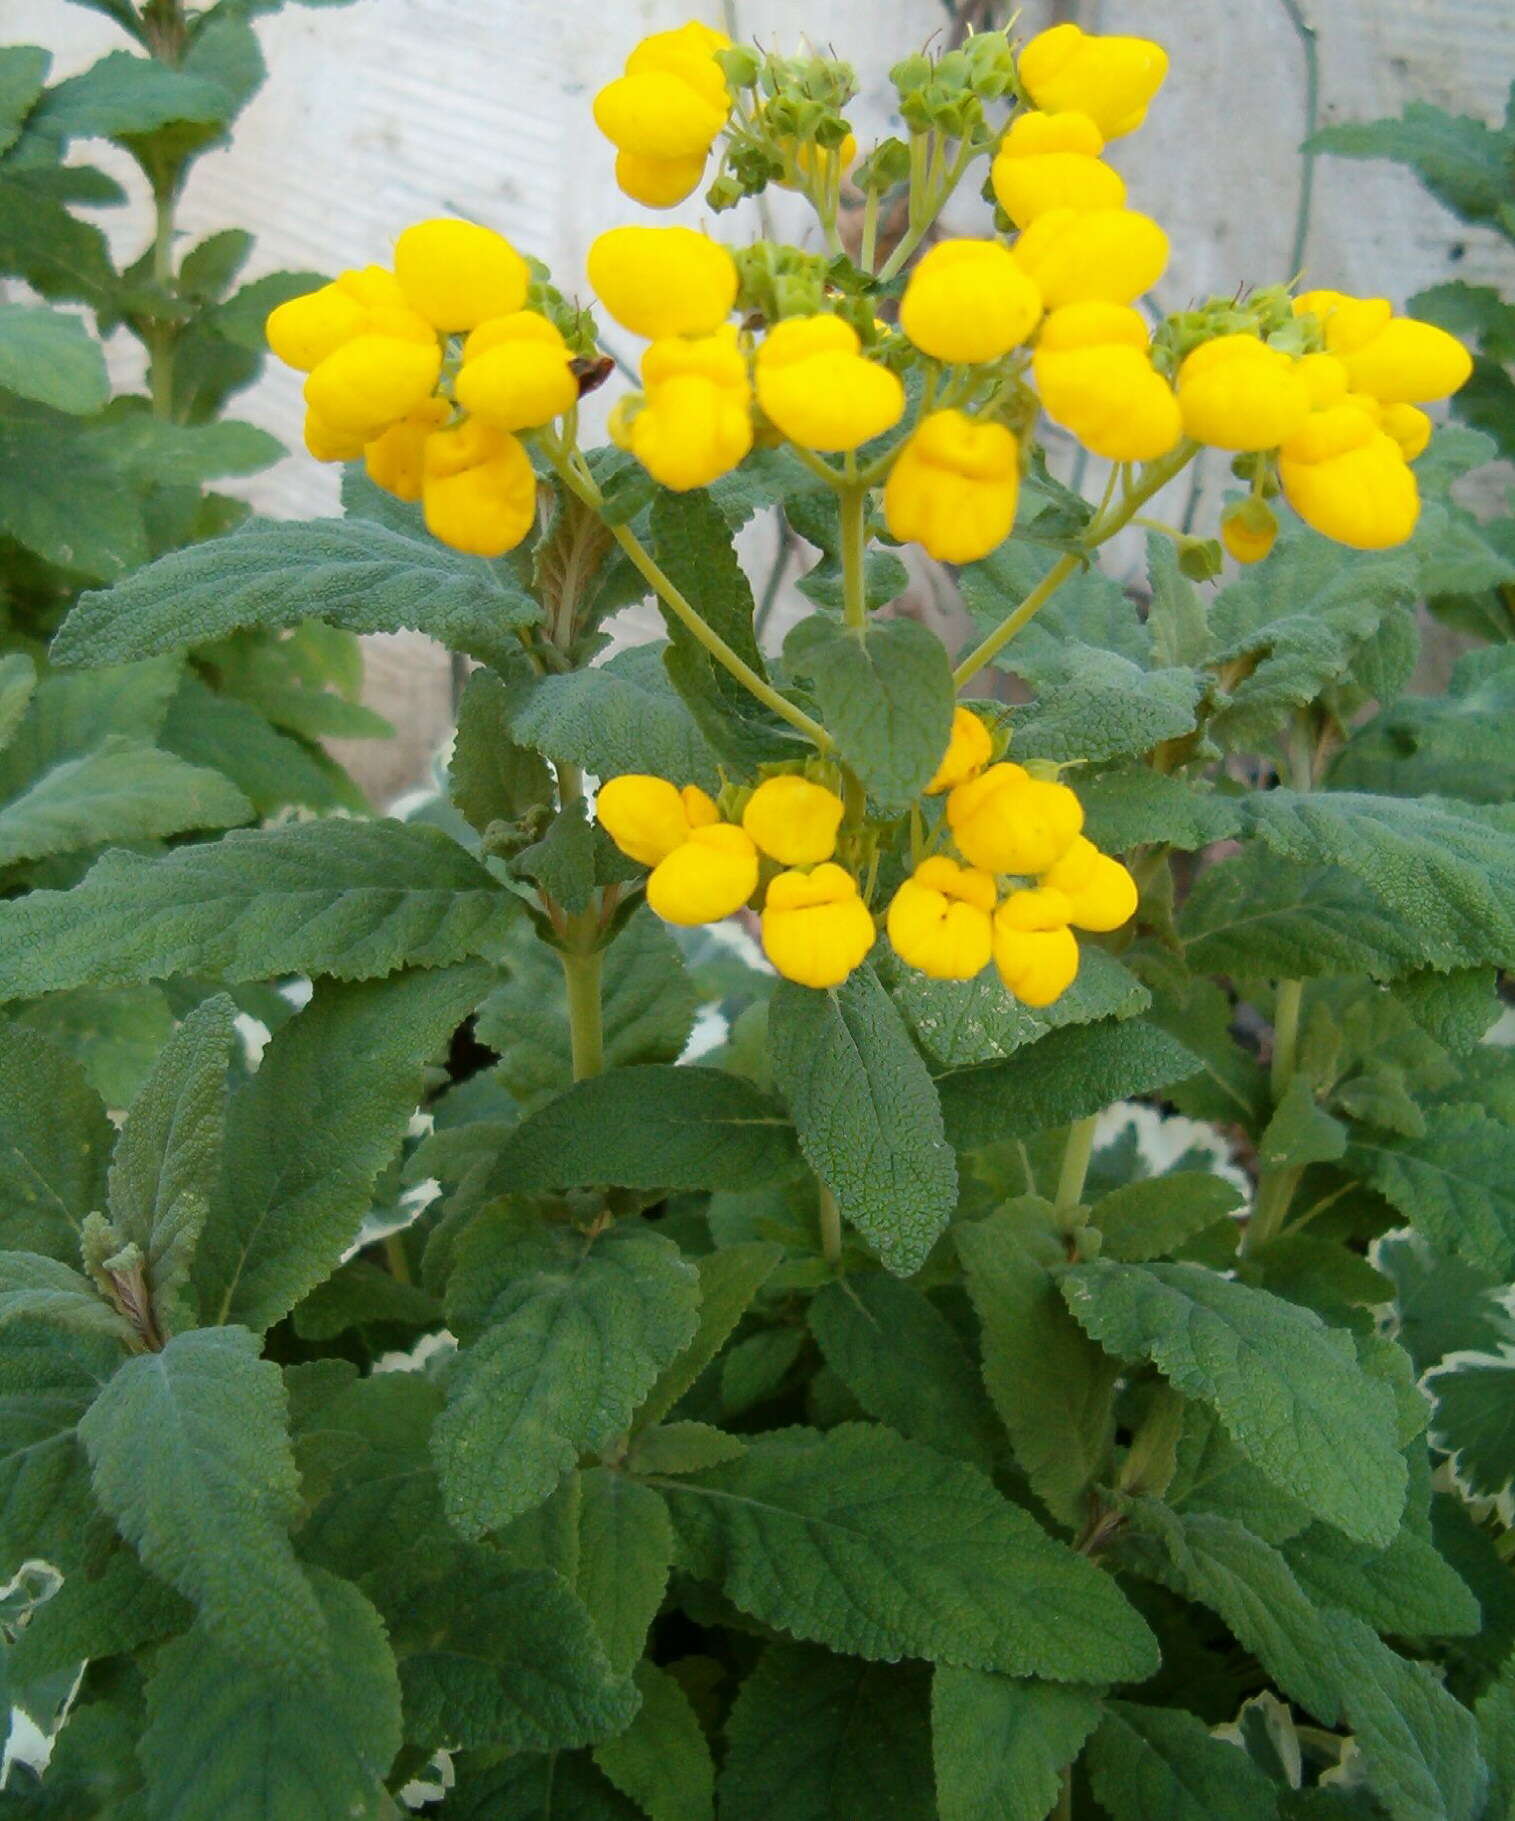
column 696, row 421
column 1347, row 478
column 478, row 492
column 818, row 389
column 457, row 274
column 329, row 445
column 515, row 372
column 939, row 919
column 1035, row 953
column 1238, row 393
column 1110, row 79
column 648, row 818
column 672, row 101
column 1392, row 358
column 372, row 382
column 659, row 183
column 1101, row 894
column 396, row 460
column 968, row 752
column 793, row 820
column 969, row 301
column 816, row 928
column 1096, row 378
column 953, row 487
column 1105, row 255
column 705, row 878
column 1006, row 821
column 1052, row 161
column 663, row 281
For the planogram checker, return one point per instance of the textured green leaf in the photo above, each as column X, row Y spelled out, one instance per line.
column 1456, row 1183
column 96, row 1616
column 1287, row 1388
column 1097, row 705
column 1126, row 807
column 885, row 695
column 125, row 96
column 338, row 1085
column 49, row 356
column 729, row 1279
column 1407, row 1589
column 145, row 449
column 36, row 1288
column 1300, row 1131
column 880, row 1548
column 1001, row 1745
column 1420, row 1746
column 347, row 572
column 55, row 1141
column 1089, row 608
column 346, row 898
column 1067, row 1075
column 491, row 778
column 1475, row 1420
column 866, row 1112
column 555, row 1787
column 682, row 1447
column 1462, row 162
column 648, row 1128
column 1496, row 1732
column 622, row 716
column 48, row 1378
column 71, row 714
column 1212, row 1474
column 18, row 678
column 1177, row 615
column 227, row 1741
column 813, row 1737
column 1443, row 1305
column 898, row 1355
column 625, row 1550
column 272, row 769
column 1053, row 1388
column 1153, row 1217
column 1455, row 745
column 23, row 70
column 59, row 255
column 1162, row 1764
column 661, row 1760
column 569, row 1335
column 61, row 499
column 359, row 1295
column 192, row 1461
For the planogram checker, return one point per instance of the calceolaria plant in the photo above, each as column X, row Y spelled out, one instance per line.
column 709, row 1306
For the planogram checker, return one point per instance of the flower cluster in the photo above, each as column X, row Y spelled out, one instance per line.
column 428, row 373
column 1023, row 880
column 665, row 112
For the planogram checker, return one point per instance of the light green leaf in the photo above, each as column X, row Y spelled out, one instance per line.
column 1300, row 1131
column 1454, row 745
column 661, row 1760
column 1155, row 1216
column 729, row 1279
column 58, row 497
column 55, row 1142
column 866, row 1112
column 49, row 356
column 1456, row 1183
column 18, row 678
column 36, row 1288
column 273, row 770
column 192, row 1460
column 346, row 898
column 1095, row 705
column 1287, row 1388
column 1001, row 1745
column 125, row 97
column 622, row 716
column 23, row 70
column 1407, row 1589
column 338, row 1085
column 1177, row 616
column 880, row 1548
column 625, row 1550
column 649, row 1128
column 491, row 778
column 146, row 450
column 1212, row 1474
column 1475, row 1420
column 1126, row 807
column 1162, row 1764
column 229, row 1741
column 566, row 1336
column 813, row 1737
column 1460, row 160
column 72, row 714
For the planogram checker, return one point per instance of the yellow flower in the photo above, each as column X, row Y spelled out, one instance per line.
column 1394, row 359
column 1248, row 529
column 1101, row 894
column 705, row 878
column 478, row 492
column 372, row 382
column 1110, row 79
column 1107, row 255
column 1325, row 379
column 1006, row 821
column 304, row 331
column 1408, row 426
column 648, row 817
column 939, row 919
column 1096, row 378
column 969, row 301
column 396, row 460
column 696, row 421
column 1238, row 393
column 658, row 183
column 816, row 928
column 1052, row 161
column 457, row 274
column 953, row 487
column 672, row 101
column 663, row 281
column 793, row 820
column 819, row 390
column 1035, row 952
column 329, row 445
column 515, row 373
column 968, row 751
column 1348, row 479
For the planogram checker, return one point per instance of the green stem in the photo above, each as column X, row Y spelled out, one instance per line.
column 1286, row 1008
column 853, row 504
column 926, row 202
column 161, row 336
column 394, row 1257
column 868, row 251
column 1077, row 1153
column 581, row 975
column 831, row 1227
column 1001, row 636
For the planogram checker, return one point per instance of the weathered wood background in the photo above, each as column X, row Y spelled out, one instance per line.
column 380, row 113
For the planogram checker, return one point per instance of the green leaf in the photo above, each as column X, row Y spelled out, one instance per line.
column 1455, row 1183
column 813, row 1737
column 347, row 572
column 125, row 97
column 40, row 241
column 18, row 678
column 1454, row 745
column 1475, row 1421
column 625, row 1550
column 661, row 1760
column 273, row 770
column 650, row 1127
column 1067, row 1075
column 359, row 1295
column 1177, row 616
column 1496, row 1731
column 1300, row 1132
column 55, row 1142
column 337, row 897
column 123, row 791
column 1125, row 807
column 60, row 499
column 568, row 1336
column 23, row 70
column 1407, row 1589
column 682, row 1447
column 1162, row 1764
column 49, row 356
column 554, row 1787
column 491, row 778
column 191, row 1459
column 1462, row 162
column 880, row 1548
column 1443, row 1305
column 1001, row 1745
column 898, row 1355
column 338, row 1085
column 622, row 716
column 885, row 696
column 36, row 1288
column 228, row 1741
column 69, row 716
column 729, row 1279
column 1096, row 705
column 1154, row 1217
column 1287, row 1388
column 1053, row 1388
column 1089, row 608
column 145, row 449
column 866, row 1113
column 1211, row 1474
column 1420, row 1747
column 96, row 1616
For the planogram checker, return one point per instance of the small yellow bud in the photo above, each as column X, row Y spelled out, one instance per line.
column 793, row 820
column 395, row 461
column 1035, row 952
column 939, row 919
column 372, row 382
column 1248, row 529
column 1111, row 79
column 648, row 818
column 969, row 301
column 1345, row 477
column 969, row 750
column 1096, row 378
column 1052, row 161
column 1105, row 255
column 695, row 423
column 816, row 928
column 705, row 878
column 1238, row 393
column 1006, row 821
column 515, row 373
column 659, row 282
column 953, row 487
column 457, row 273
column 1101, row 894
column 478, row 492
column 818, row 389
